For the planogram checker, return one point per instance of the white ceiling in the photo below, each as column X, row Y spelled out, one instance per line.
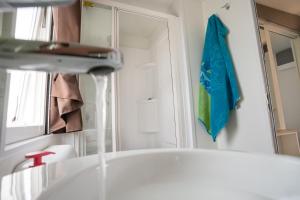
column 158, row 5
column 290, row 6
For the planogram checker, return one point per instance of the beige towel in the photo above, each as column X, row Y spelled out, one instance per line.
column 65, row 113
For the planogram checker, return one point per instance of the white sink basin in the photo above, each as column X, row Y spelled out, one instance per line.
column 168, row 174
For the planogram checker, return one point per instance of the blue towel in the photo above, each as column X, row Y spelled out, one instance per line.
column 219, row 92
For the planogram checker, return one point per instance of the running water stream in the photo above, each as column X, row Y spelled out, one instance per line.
column 100, row 77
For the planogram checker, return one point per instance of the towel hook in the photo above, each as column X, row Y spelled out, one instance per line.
column 226, row 6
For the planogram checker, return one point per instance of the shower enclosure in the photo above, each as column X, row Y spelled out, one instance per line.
column 144, row 107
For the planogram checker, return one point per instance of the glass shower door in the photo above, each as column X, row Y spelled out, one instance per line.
column 96, row 30
column 141, row 103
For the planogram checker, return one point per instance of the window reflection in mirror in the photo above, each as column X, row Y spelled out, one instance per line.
column 26, row 105
column 24, row 93
column 280, row 37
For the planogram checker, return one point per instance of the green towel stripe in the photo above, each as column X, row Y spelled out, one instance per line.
column 204, row 108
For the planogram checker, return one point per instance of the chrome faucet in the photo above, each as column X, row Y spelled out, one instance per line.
column 57, row 57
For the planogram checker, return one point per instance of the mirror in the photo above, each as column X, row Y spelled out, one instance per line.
column 145, row 88
column 280, row 36
column 25, row 95
column 25, row 98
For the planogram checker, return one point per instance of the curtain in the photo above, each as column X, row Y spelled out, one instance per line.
column 66, row 101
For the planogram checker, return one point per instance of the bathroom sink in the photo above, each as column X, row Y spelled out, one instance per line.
column 162, row 174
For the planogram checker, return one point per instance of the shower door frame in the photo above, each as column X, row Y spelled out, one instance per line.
column 184, row 123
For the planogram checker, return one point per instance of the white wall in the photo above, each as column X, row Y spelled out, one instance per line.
column 249, row 128
column 289, row 83
column 134, row 94
column 129, row 94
